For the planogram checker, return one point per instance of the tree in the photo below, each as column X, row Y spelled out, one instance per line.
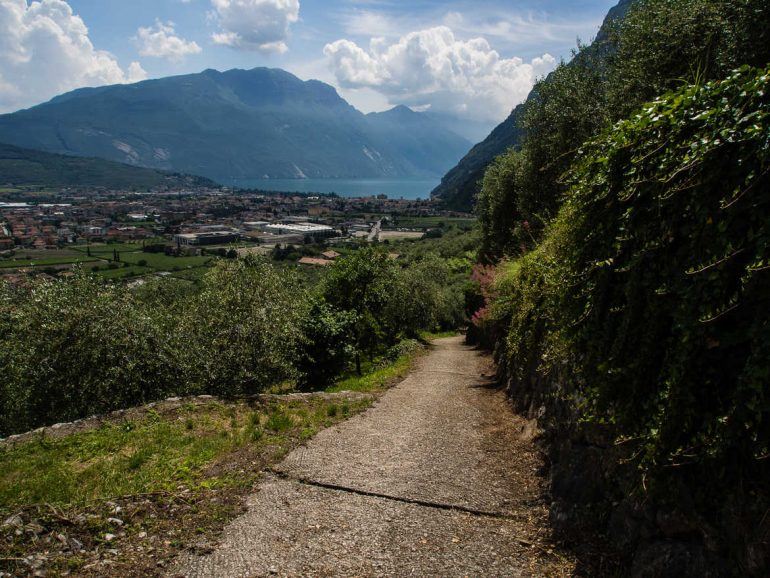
column 79, row 347
column 242, row 329
column 327, row 343
column 496, row 205
column 361, row 284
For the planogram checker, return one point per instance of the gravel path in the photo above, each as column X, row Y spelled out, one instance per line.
column 439, row 478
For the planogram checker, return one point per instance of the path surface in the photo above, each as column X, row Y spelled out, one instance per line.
column 439, row 478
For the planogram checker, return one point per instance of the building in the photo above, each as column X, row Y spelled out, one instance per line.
column 313, row 229
column 207, row 238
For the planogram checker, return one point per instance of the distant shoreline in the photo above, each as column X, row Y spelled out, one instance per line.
column 412, row 189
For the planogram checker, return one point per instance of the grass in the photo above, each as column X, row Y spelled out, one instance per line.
column 123, row 272
column 376, row 377
column 156, row 480
column 194, row 274
column 164, row 262
column 156, row 452
column 43, row 262
column 108, row 249
column 429, row 336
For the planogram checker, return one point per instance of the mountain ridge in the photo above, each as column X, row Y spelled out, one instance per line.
column 248, row 124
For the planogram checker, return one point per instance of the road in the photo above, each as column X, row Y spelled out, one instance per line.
column 375, row 232
column 439, row 478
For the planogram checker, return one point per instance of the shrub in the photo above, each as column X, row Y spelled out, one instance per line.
column 242, row 329
column 647, row 306
column 668, row 238
column 328, row 344
column 73, row 348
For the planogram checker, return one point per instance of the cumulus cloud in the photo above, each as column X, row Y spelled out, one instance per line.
column 45, row 50
column 161, row 41
column 433, row 68
column 254, row 24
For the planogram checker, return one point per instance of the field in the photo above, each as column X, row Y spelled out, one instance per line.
column 195, row 274
column 399, row 235
column 123, row 272
column 44, row 262
column 163, row 262
column 430, row 222
column 132, row 261
column 107, row 250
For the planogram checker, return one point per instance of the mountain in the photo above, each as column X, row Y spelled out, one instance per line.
column 417, row 136
column 460, row 185
column 242, row 124
column 24, row 167
column 473, row 130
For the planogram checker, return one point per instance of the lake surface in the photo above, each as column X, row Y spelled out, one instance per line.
column 394, row 188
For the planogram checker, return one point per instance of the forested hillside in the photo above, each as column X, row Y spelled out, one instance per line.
column 460, row 186
column 623, row 284
column 24, row 167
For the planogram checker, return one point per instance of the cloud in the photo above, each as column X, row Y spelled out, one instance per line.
column 254, row 24
column 433, row 68
column 45, row 50
column 161, row 41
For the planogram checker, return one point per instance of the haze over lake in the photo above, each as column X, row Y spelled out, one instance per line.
column 394, row 188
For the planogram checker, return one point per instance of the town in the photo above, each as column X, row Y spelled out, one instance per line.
column 128, row 234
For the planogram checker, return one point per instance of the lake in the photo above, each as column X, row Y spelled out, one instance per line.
column 394, row 188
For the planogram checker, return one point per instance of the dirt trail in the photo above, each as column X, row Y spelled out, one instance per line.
column 439, row 478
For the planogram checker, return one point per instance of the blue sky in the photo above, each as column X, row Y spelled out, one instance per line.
column 473, row 59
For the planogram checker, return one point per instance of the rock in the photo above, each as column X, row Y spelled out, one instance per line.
column 34, row 528
column 141, row 535
column 14, row 521
column 109, row 537
column 628, row 524
column 676, row 560
column 116, row 521
column 580, row 477
column 673, row 524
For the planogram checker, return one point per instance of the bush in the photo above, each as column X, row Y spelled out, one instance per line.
column 361, row 284
column 79, row 347
column 242, row 329
column 74, row 348
column 646, row 309
column 670, row 244
column 328, row 344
